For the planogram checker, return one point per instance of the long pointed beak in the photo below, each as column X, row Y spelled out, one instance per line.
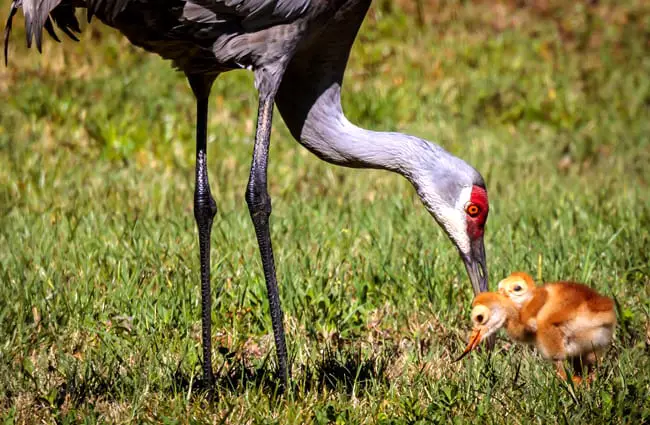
column 474, row 340
column 477, row 266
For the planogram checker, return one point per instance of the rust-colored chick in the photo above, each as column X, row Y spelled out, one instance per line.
column 520, row 288
column 570, row 321
column 492, row 311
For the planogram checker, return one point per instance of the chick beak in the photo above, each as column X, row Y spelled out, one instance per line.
column 474, row 340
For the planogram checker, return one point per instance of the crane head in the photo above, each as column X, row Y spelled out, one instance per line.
column 457, row 199
column 475, row 209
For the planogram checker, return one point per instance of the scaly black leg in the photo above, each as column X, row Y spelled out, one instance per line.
column 259, row 206
column 204, row 211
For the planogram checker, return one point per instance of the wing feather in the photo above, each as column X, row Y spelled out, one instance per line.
column 252, row 14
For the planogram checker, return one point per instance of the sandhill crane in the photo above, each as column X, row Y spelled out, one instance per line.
column 298, row 51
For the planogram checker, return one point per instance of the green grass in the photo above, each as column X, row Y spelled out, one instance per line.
column 100, row 306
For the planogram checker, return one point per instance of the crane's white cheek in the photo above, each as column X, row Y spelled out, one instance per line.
column 456, row 227
column 449, row 218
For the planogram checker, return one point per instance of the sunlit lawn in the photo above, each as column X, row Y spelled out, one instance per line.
column 100, row 302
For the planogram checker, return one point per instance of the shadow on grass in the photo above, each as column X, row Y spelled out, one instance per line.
column 343, row 370
column 346, row 371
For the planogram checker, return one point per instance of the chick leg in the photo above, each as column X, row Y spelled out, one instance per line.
column 590, row 360
column 579, row 366
column 559, row 369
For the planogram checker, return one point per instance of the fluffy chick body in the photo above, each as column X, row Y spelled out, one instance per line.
column 563, row 320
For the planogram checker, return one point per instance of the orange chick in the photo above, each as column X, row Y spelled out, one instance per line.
column 492, row 311
column 520, row 288
column 572, row 321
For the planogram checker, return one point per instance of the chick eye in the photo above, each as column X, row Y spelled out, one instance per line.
column 472, row 209
column 517, row 288
column 479, row 318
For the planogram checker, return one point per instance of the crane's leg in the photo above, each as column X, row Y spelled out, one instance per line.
column 259, row 206
column 204, row 211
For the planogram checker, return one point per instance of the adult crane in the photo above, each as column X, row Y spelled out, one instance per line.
column 298, row 51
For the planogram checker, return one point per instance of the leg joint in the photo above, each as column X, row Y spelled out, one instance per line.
column 205, row 208
column 258, row 200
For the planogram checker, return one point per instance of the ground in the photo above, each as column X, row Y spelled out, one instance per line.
column 100, row 312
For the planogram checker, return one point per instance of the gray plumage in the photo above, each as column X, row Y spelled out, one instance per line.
column 298, row 50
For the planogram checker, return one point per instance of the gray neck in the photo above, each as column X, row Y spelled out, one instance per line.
column 327, row 133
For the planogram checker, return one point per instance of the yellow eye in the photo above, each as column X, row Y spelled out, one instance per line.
column 472, row 210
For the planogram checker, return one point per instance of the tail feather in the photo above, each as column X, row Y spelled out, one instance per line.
column 50, row 30
column 10, row 18
column 67, row 32
column 39, row 15
column 93, row 8
column 66, row 20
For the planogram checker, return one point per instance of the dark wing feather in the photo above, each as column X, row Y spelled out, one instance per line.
column 65, row 18
column 92, row 7
column 253, row 15
column 116, row 7
column 109, row 8
column 50, row 29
